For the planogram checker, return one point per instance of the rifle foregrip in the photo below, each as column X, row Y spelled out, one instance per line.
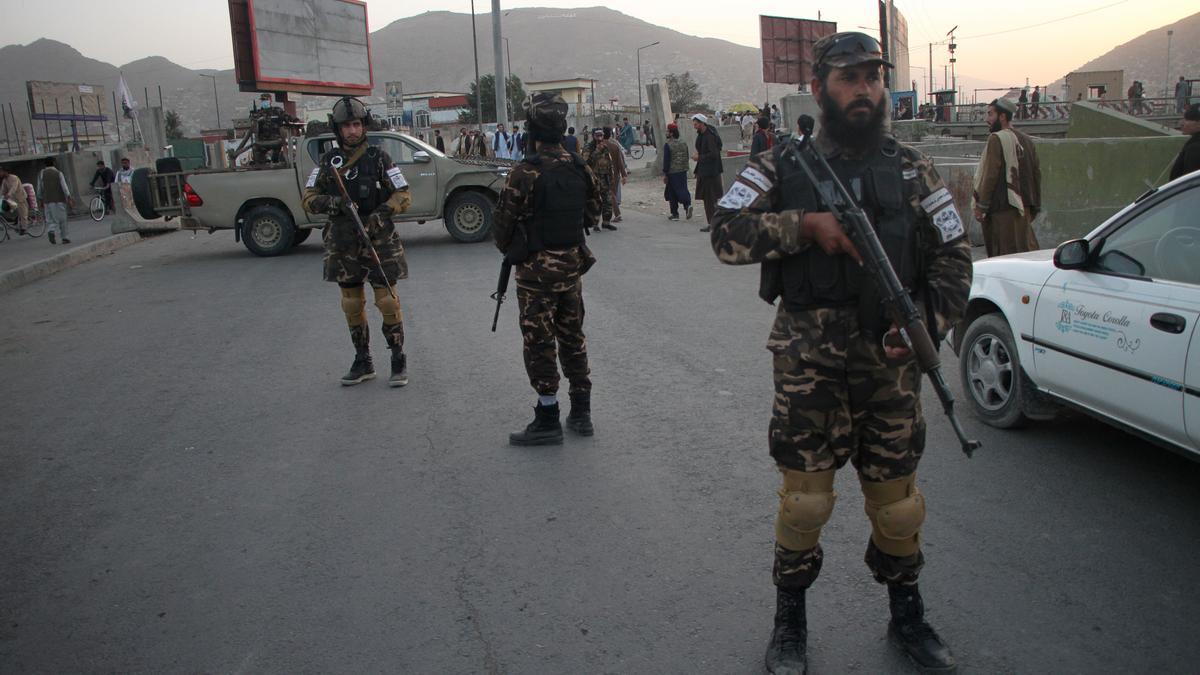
column 922, row 344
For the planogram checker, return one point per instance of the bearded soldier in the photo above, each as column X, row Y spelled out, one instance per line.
column 378, row 190
column 845, row 388
column 599, row 160
column 550, row 198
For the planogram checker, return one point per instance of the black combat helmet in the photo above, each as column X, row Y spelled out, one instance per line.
column 546, row 115
column 842, row 50
column 348, row 108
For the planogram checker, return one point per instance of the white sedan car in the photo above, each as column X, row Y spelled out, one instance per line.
column 1105, row 324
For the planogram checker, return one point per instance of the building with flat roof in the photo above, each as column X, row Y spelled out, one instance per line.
column 579, row 93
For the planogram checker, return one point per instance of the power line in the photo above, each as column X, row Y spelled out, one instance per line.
column 1035, row 25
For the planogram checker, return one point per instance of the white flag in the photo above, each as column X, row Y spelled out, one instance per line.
column 128, row 105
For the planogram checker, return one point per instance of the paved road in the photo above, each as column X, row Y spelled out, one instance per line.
column 20, row 251
column 185, row 488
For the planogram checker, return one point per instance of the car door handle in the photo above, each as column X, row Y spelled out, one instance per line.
column 1168, row 323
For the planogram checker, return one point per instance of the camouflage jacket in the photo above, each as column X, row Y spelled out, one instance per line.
column 760, row 230
column 393, row 191
column 554, row 270
column 598, row 158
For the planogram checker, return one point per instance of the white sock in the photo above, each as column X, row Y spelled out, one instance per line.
column 547, row 400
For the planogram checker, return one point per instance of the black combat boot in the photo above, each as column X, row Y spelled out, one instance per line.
column 909, row 630
column 787, row 653
column 362, row 369
column 580, row 419
column 399, row 376
column 545, row 429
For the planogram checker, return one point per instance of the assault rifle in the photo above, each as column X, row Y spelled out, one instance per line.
column 501, row 289
column 895, row 299
column 336, row 164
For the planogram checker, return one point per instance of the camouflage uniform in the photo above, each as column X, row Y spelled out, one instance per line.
column 347, row 260
column 549, row 287
column 837, row 397
column 268, row 135
column 599, row 161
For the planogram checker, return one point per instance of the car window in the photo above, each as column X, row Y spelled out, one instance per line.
column 398, row 150
column 1162, row 242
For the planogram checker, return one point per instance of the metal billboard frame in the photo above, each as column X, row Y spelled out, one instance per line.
column 787, row 47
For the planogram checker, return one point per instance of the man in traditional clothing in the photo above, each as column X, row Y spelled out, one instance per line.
column 1008, row 185
column 708, row 167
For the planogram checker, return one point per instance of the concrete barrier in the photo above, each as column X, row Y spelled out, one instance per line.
column 1091, row 120
column 43, row 268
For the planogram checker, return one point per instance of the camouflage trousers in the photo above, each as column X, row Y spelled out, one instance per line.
column 348, row 263
column 604, row 183
column 837, row 398
column 552, row 330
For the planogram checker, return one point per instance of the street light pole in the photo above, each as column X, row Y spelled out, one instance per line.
column 501, row 80
column 1167, row 81
column 478, row 93
column 216, row 102
column 507, row 54
column 639, row 69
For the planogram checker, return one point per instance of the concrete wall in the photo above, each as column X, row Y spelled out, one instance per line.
column 1084, row 181
column 1090, row 120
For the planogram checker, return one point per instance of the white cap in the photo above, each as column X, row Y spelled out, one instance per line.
column 699, row 117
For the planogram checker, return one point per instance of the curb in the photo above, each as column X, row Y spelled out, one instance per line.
column 27, row 274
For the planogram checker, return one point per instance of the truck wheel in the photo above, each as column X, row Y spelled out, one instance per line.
column 302, row 233
column 991, row 373
column 143, row 198
column 267, row 230
column 469, row 217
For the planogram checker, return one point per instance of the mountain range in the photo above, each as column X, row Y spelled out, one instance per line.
column 432, row 51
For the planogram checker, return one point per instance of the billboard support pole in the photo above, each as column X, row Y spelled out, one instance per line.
column 501, row 81
column 478, row 93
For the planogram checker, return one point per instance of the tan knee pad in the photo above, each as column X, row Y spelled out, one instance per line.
column 805, row 504
column 354, row 304
column 388, row 306
column 896, row 509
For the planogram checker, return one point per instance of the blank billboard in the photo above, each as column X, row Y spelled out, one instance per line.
column 68, row 101
column 306, row 46
column 787, row 47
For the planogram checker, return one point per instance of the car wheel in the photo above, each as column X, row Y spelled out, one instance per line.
column 469, row 217
column 302, row 233
column 267, row 230
column 143, row 197
column 991, row 372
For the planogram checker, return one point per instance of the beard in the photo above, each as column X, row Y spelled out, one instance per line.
column 856, row 135
column 995, row 126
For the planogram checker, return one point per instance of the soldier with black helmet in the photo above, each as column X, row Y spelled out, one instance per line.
column 846, row 389
column 550, row 199
column 378, row 190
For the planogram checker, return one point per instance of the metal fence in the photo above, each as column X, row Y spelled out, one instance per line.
column 976, row 113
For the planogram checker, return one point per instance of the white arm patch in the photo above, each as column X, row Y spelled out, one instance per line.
column 312, row 178
column 397, row 178
column 936, row 200
column 752, row 175
column 948, row 223
column 739, row 196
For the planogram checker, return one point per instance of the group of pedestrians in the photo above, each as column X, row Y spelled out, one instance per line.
column 502, row 144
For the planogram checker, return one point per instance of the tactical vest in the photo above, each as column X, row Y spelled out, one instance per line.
column 813, row 279
column 363, row 181
column 559, row 200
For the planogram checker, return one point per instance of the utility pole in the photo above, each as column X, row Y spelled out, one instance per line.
column 478, row 93
column 930, row 92
column 501, row 80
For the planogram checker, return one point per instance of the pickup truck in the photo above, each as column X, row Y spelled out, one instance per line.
column 262, row 205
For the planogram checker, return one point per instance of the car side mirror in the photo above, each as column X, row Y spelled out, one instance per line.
column 1071, row 255
column 421, row 156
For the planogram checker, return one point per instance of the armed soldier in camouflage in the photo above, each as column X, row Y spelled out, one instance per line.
column 378, row 190
column 599, row 160
column 267, row 124
column 845, row 387
column 550, row 200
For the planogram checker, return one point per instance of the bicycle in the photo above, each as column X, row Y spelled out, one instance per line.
column 637, row 150
column 34, row 228
column 98, row 207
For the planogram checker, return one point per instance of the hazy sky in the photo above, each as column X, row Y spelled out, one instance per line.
column 196, row 34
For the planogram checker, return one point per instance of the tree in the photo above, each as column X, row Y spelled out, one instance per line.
column 487, row 85
column 173, row 125
column 685, row 94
